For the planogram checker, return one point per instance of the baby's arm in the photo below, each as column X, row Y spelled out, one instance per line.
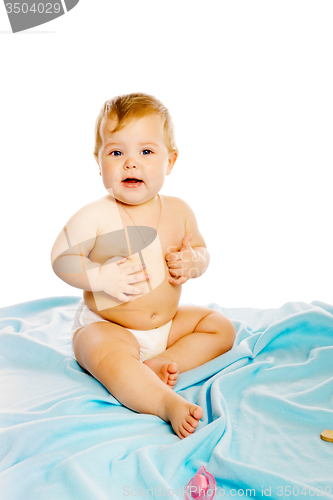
column 71, row 263
column 192, row 260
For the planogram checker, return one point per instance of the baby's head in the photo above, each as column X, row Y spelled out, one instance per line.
column 134, row 147
column 129, row 107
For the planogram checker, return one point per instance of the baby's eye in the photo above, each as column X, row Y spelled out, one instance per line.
column 116, row 153
column 146, row 151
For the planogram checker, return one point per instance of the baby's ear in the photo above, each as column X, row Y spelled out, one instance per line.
column 96, row 158
column 172, row 160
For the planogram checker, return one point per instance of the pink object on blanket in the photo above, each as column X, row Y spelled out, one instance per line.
column 201, row 486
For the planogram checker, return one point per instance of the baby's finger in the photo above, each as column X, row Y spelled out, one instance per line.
column 172, row 256
column 186, row 242
column 176, row 264
column 121, row 261
column 138, row 277
column 133, row 269
column 176, row 272
column 124, row 298
column 134, row 290
column 179, row 281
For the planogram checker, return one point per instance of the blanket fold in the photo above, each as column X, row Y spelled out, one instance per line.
column 265, row 403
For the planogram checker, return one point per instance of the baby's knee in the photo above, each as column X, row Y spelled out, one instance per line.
column 99, row 345
column 112, row 356
column 231, row 333
column 227, row 331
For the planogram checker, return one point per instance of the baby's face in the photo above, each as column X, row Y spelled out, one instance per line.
column 134, row 160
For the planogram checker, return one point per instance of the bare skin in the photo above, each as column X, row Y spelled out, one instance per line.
column 118, row 367
column 130, row 296
column 167, row 371
column 111, row 354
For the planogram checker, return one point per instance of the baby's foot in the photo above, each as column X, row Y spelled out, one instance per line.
column 165, row 369
column 183, row 416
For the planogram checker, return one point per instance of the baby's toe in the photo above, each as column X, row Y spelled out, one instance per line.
column 188, row 427
column 173, row 368
column 196, row 412
column 172, row 374
column 183, row 433
column 192, row 421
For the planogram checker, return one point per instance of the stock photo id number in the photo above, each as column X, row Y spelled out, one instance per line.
column 29, row 13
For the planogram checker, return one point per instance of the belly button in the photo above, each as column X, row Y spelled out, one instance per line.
column 153, row 315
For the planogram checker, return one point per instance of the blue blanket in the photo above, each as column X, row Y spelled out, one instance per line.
column 63, row 436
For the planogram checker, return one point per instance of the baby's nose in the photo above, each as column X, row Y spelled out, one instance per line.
column 130, row 163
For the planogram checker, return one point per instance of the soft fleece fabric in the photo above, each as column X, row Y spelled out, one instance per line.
column 63, row 436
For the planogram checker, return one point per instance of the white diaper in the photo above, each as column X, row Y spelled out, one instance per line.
column 152, row 342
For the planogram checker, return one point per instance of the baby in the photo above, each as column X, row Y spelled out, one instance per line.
column 130, row 252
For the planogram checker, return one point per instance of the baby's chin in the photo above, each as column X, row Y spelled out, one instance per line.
column 120, row 199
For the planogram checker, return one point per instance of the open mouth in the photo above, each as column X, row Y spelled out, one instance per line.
column 132, row 182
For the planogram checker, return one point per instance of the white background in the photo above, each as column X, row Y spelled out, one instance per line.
column 249, row 85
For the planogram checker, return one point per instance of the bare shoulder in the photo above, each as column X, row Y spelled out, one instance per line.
column 176, row 204
column 84, row 226
column 180, row 208
column 81, row 227
column 86, row 216
column 95, row 207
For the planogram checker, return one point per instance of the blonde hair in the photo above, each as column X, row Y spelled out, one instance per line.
column 130, row 106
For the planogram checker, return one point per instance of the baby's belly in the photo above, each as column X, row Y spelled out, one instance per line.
column 155, row 308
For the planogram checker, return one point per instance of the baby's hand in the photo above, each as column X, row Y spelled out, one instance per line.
column 182, row 264
column 116, row 280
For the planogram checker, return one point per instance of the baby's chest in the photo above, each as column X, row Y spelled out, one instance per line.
column 138, row 240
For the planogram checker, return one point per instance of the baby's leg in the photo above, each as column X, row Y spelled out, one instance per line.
column 111, row 354
column 197, row 335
